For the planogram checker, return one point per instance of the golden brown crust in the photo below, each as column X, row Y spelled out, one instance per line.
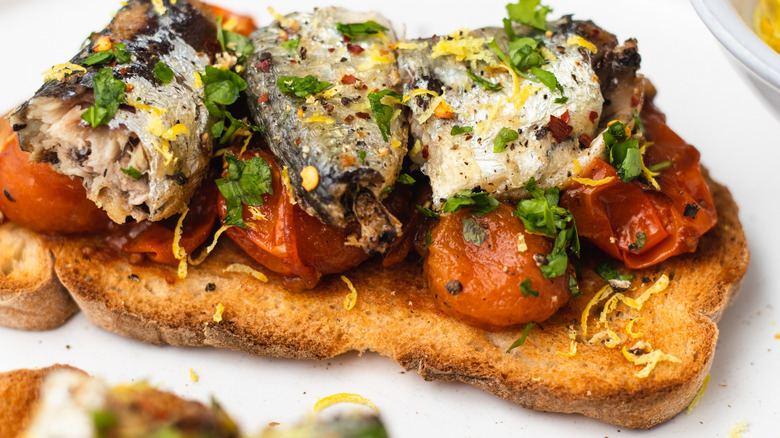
column 31, row 296
column 19, row 392
column 394, row 316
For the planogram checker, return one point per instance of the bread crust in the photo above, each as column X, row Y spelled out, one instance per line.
column 31, row 295
column 19, row 393
column 396, row 317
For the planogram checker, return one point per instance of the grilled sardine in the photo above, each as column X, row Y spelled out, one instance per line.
column 509, row 129
column 148, row 159
column 325, row 130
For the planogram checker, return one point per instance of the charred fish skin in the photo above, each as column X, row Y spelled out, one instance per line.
column 438, row 75
column 333, row 131
column 159, row 128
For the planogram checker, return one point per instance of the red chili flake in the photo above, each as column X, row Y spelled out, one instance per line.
column 348, row 79
column 347, row 39
column 263, row 66
column 593, row 116
column 362, row 87
column 331, row 50
column 364, row 116
column 298, row 141
column 425, row 152
column 355, row 49
column 565, row 117
column 585, row 141
column 124, row 71
column 263, row 98
column 349, row 119
column 560, row 129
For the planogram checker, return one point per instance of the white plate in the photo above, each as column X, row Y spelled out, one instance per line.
column 707, row 102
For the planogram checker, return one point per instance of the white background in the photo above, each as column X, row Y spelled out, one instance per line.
column 707, row 100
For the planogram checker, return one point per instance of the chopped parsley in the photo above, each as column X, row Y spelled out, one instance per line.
column 521, row 340
column 530, row 13
column 607, row 272
column 117, row 53
column 641, row 239
column 368, row 28
column 527, row 290
column 457, row 130
column 427, row 212
column 406, row 179
column 574, row 288
column 362, row 156
column 163, row 72
column 218, row 130
column 291, row 45
column 233, row 42
column 547, row 78
column 428, row 241
column 302, row 87
column 484, row 83
column 638, row 122
column 480, row 203
column 504, row 137
column 562, row 99
column 246, row 183
column 660, row 166
column 382, row 113
column 624, row 153
column 109, row 93
column 473, row 233
column 104, row 421
column 221, row 88
column 132, row 172
column 542, row 215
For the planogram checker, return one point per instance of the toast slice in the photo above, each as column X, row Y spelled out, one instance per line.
column 19, row 396
column 396, row 317
column 31, row 296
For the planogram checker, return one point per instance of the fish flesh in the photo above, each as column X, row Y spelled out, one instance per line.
column 148, row 159
column 340, row 162
column 547, row 133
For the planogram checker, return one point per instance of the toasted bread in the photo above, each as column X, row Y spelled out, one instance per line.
column 396, row 317
column 31, row 296
column 19, row 395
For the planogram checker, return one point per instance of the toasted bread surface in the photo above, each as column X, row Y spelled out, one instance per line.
column 31, row 296
column 396, row 317
column 19, row 393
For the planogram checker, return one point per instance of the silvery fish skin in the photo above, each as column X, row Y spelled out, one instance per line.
column 467, row 161
column 334, row 131
column 181, row 35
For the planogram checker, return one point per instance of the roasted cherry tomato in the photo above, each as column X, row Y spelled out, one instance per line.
column 285, row 239
column 155, row 239
column 636, row 223
column 495, row 285
column 241, row 24
column 37, row 197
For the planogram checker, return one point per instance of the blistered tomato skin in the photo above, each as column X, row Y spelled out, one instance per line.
column 481, row 285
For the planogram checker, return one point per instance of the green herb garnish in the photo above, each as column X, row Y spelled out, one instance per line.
column 547, row 78
column 104, row 421
column 624, row 152
column 362, row 156
column 428, row 241
column 607, row 272
column 132, row 172
column 641, row 239
column 638, row 122
column 484, row 83
column 368, row 28
column 562, row 99
column 117, row 52
column 457, row 130
column 521, row 340
column 382, row 113
column 427, row 212
column 302, row 87
column 480, row 203
column 660, row 166
column 221, row 88
column 291, row 45
column 246, row 183
column 505, row 136
column 530, row 13
column 472, row 232
column 233, row 42
column 109, row 93
column 163, row 72
column 405, row 179
column 527, row 290
column 574, row 288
